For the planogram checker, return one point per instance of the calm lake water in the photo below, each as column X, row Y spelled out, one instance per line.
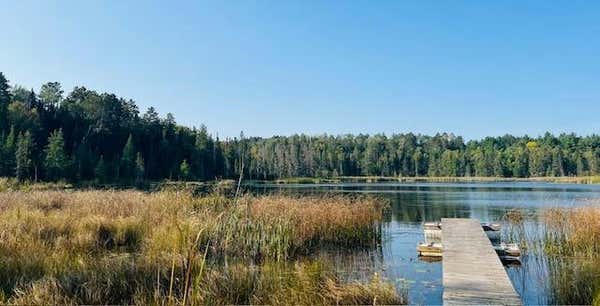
column 414, row 203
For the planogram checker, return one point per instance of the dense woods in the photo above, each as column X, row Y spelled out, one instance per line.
column 85, row 135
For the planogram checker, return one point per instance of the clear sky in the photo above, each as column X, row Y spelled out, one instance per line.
column 474, row 68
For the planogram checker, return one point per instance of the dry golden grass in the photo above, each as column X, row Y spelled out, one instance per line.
column 131, row 247
column 569, row 240
column 574, row 235
column 322, row 220
column 574, row 232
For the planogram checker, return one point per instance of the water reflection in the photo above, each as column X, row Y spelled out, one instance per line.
column 538, row 280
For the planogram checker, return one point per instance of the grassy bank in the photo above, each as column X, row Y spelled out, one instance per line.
column 382, row 179
column 129, row 247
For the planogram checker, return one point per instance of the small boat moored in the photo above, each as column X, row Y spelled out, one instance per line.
column 433, row 249
column 432, row 231
column 508, row 249
column 511, row 261
column 432, row 226
column 492, row 230
column 494, row 227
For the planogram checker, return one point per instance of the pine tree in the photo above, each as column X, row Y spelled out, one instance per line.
column 101, row 171
column 4, row 101
column 23, row 156
column 56, row 162
column 7, row 151
column 139, row 168
column 3, row 156
column 184, row 170
column 83, row 161
column 32, row 100
column 128, row 158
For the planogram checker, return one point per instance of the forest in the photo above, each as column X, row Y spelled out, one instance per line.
column 84, row 135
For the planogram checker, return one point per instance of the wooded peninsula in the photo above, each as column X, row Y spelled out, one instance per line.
column 90, row 136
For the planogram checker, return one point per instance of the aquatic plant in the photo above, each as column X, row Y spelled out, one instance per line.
column 573, row 232
column 567, row 242
column 575, row 281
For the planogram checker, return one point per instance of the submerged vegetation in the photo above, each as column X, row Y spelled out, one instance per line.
column 129, row 247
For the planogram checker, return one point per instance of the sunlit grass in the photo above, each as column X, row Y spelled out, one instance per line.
column 568, row 240
column 130, row 247
column 573, row 232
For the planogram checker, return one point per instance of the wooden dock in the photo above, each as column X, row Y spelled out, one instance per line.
column 472, row 272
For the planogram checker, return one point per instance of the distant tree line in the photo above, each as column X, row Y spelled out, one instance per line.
column 420, row 155
column 85, row 135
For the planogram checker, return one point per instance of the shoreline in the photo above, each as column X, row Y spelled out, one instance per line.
column 11, row 184
column 374, row 179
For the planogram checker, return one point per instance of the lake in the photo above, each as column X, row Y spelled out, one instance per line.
column 414, row 203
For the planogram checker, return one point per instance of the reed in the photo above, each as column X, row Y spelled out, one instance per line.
column 568, row 242
column 170, row 247
column 575, row 281
column 573, row 232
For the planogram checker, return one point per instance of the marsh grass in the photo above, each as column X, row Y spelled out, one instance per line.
column 12, row 184
column 130, row 247
column 567, row 240
column 573, row 232
column 573, row 235
column 576, row 281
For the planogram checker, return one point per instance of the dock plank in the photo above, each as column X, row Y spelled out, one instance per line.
column 472, row 272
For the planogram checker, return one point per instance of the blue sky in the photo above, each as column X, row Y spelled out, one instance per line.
column 474, row 68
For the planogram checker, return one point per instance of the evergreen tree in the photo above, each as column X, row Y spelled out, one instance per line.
column 5, row 99
column 202, row 160
column 56, row 161
column 7, row 154
column 128, row 159
column 101, row 171
column 84, row 161
column 23, row 156
column 140, row 169
column 102, row 127
column 184, row 170
column 32, row 101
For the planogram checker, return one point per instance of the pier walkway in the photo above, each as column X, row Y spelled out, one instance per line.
column 472, row 272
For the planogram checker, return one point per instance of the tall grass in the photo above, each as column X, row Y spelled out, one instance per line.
column 129, row 247
column 573, row 232
column 568, row 242
column 574, row 236
column 8, row 183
